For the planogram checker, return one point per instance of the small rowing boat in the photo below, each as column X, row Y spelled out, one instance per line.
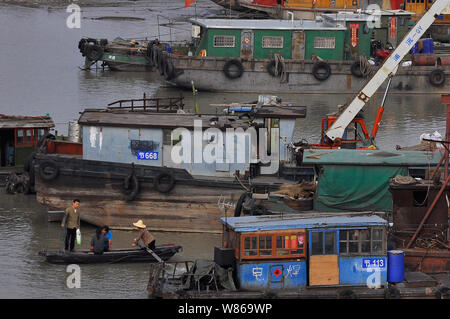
column 120, row 255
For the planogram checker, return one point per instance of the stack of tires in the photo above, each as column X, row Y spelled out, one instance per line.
column 161, row 61
column 92, row 48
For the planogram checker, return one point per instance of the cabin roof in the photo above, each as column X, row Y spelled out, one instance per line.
column 297, row 221
column 370, row 157
column 104, row 117
column 10, row 122
column 363, row 15
column 269, row 24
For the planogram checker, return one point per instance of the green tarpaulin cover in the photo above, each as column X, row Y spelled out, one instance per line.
column 355, row 188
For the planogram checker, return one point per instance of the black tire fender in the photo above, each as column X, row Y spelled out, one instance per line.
column 355, row 69
column 240, row 203
column 44, row 172
column 161, row 63
column 437, row 77
column 158, row 185
column 169, row 70
column 131, row 187
column 27, row 165
column 392, row 293
column 94, row 52
column 270, row 67
column 346, row 294
column 229, row 64
column 324, row 66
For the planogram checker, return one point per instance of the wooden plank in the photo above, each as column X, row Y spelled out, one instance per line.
column 323, row 270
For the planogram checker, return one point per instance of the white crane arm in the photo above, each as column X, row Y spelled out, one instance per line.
column 387, row 69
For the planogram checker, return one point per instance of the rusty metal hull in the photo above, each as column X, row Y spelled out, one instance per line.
column 427, row 261
column 207, row 75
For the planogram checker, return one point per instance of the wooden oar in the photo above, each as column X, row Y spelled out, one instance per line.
column 153, row 254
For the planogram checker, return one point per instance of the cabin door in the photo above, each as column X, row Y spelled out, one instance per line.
column 247, row 44
column 323, row 258
column 298, row 45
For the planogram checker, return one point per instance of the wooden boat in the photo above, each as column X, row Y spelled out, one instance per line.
column 165, row 252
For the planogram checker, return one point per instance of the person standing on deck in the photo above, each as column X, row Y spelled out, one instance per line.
column 71, row 221
column 144, row 235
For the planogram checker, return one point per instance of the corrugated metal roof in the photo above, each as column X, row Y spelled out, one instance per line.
column 10, row 121
column 296, row 221
column 266, row 24
column 370, row 157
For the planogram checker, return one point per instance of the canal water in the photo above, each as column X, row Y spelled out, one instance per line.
column 39, row 74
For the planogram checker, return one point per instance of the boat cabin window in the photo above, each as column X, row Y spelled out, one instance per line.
column 224, row 41
column 19, row 137
column 361, row 241
column 278, row 245
column 272, row 42
column 323, row 243
column 420, row 198
column 324, row 43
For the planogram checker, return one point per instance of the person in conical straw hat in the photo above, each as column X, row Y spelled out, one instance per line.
column 144, row 235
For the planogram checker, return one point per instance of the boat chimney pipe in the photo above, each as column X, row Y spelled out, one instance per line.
column 292, row 17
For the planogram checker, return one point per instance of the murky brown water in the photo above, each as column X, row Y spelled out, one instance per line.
column 39, row 73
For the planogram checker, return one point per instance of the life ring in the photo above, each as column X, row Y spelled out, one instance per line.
column 355, row 69
column 240, row 203
column 233, row 75
column 131, row 187
column 346, row 294
column 392, row 293
column 437, row 77
column 157, row 182
column 270, row 67
column 321, row 66
column 161, row 62
column 48, row 170
column 94, row 52
column 169, row 70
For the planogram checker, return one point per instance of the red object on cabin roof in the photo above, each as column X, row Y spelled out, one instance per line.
column 187, row 3
column 271, row 3
column 395, row 4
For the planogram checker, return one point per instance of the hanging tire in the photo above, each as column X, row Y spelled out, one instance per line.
column 240, row 203
column 155, row 56
column 158, row 182
column 321, row 71
column 48, row 170
column 346, row 294
column 82, row 46
column 161, row 63
column 27, row 165
column 227, row 69
column 270, row 67
column 169, row 70
column 131, row 187
column 392, row 293
column 437, row 77
column 355, row 69
column 94, row 52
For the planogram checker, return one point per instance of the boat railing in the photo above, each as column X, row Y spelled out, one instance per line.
column 159, row 104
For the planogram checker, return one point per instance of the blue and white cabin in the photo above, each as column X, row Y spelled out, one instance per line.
column 291, row 251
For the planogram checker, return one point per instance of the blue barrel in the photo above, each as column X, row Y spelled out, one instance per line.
column 427, row 45
column 396, row 266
